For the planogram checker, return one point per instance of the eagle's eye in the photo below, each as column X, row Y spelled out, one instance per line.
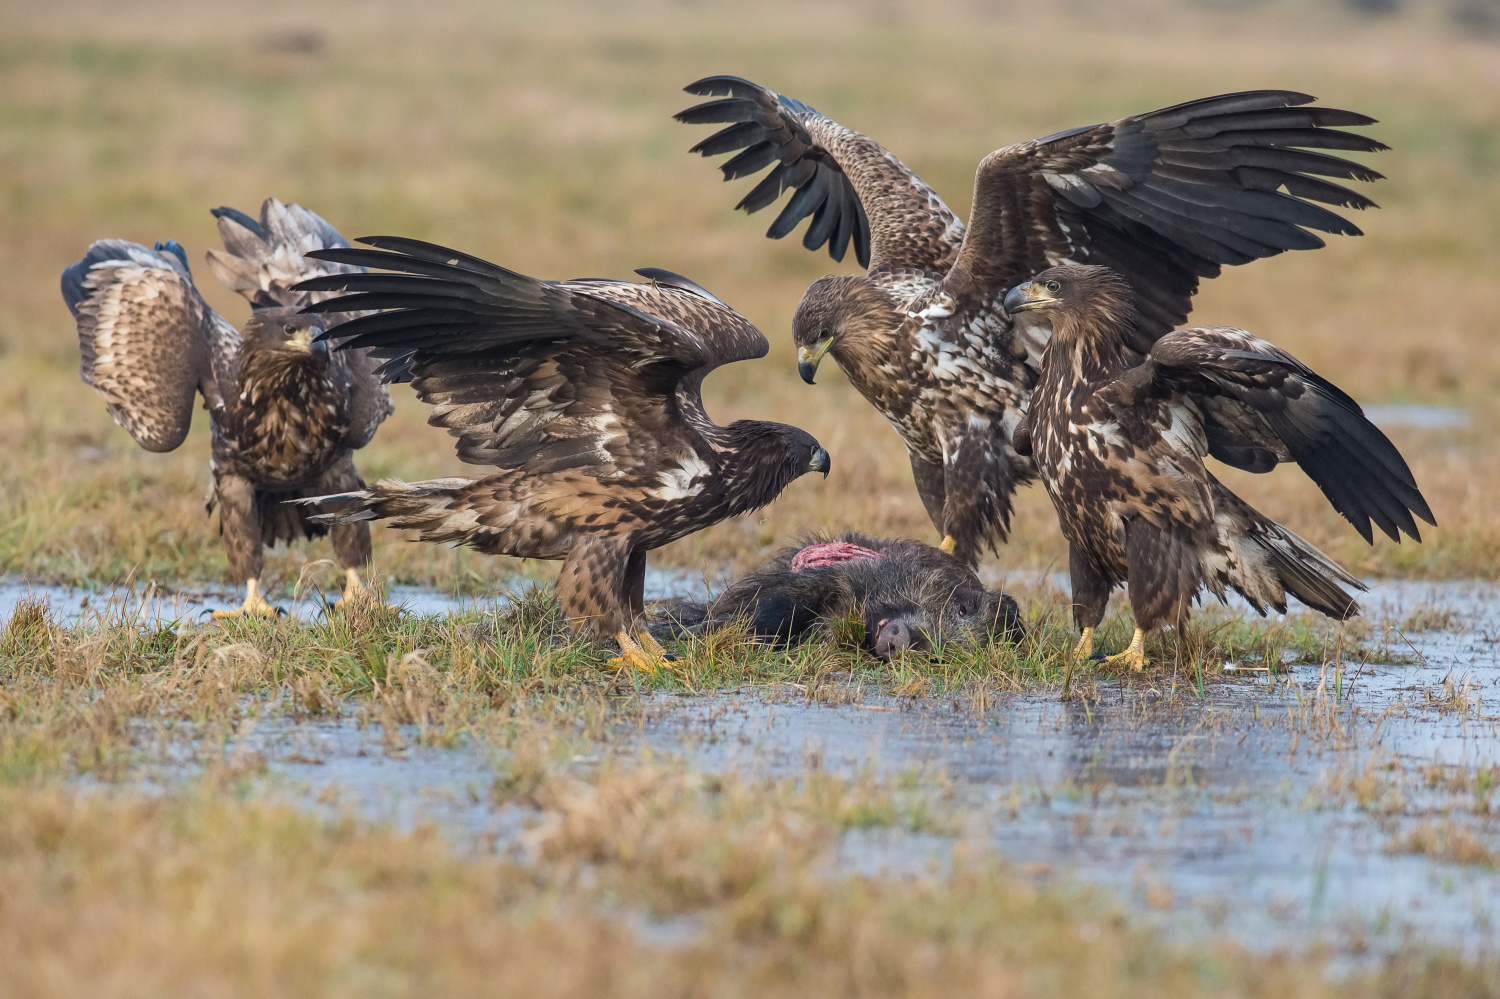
column 1054, row 287
column 289, row 328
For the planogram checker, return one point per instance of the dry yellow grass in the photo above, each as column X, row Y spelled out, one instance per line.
column 635, row 877
column 539, row 136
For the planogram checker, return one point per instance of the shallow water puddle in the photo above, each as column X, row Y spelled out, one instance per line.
column 152, row 605
column 1347, row 805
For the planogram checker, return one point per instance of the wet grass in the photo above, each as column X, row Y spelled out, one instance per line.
column 540, row 136
column 636, row 875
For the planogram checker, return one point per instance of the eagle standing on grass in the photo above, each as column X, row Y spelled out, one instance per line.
column 586, row 395
column 1165, row 198
column 1119, row 442
column 285, row 417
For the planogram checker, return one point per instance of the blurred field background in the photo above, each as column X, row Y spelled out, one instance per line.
column 540, row 136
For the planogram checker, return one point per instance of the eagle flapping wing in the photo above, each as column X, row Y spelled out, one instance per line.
column 1165, row 198
column 263, row 259
column 852, row 188
column 537, row 375
column 147, row 340
column 1262, row 406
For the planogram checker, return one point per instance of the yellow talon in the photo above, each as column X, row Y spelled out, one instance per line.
column 949, row 544
column 1085, row 646
column 1135, row 656
column 649, row 659
column 255, row 605
column 353, row 588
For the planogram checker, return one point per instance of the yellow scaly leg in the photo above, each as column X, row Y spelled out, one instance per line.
column 353, row 588
column 647, row 660
column 1085, row 646
column 254, row 604
column 949, row 544
column 1135, row 656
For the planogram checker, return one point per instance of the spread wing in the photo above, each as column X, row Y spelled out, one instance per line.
column 263, row 259
column 851, row 187
column 1262, row 406
column 147, row 341
column 1165, row 198
column 537, row 375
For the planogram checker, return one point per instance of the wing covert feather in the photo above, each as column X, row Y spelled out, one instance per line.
column 147, row 340
column 1257, row 399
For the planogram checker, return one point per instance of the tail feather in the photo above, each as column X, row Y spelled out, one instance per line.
column 428, row 507
column 1273, row 562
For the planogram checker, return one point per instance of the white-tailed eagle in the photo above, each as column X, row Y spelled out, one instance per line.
column 285, row 416
column 1119, row 440
column 1165, row 198
column 585, row 395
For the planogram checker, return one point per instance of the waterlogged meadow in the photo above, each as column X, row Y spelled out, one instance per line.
column 445, row 794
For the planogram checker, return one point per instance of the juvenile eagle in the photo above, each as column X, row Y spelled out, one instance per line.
column 1165, row 198
column 1119, row 442
column 586, row 395
column 285, row 417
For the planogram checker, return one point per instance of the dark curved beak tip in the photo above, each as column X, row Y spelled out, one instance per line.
column 319, row 346
column 808, row 371
column 820, row 462
column 1014, row 299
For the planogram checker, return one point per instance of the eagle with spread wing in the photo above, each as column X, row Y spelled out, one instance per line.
column 1119, row 441
column 285, row 417
column 585, row 394
column 1165, row 198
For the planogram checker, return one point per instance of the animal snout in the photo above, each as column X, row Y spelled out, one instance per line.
column 892, row 635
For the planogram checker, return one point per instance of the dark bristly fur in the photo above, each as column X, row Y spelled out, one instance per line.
column 913, row 598
column 285, row 419
column 1165, row 198
column 584, row 394
column 1119, row 441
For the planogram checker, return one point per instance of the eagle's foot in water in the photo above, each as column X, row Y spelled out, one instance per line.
column 1085, row 647
column 949, row 545
column 255, row 605
column 645, row 655
column 1135, row 656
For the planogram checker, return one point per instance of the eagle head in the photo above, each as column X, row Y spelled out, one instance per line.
column 840, row 313
column 765, row 459
column 285, row 329
column 1077, row 299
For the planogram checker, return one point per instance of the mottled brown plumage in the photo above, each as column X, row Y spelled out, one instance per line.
column 284, row 416
column 585, row 395
column 1165, row 198
column 1119, row 441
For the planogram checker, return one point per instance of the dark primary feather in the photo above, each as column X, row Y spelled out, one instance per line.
column 769, row 128
column 1265, row 400
column 224, row 211
column 1165, row 198
column 522, row 370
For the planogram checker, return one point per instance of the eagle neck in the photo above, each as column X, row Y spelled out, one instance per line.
column 762, row 465
column 1096, row 345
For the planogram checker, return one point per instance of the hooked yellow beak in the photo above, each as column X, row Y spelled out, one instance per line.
column 808, row 358
column 305, row 338
column 1026, row 297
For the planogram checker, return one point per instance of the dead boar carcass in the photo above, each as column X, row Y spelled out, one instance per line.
column 911, row 597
